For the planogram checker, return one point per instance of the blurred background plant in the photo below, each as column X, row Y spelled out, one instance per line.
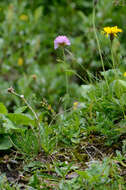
column 27, row 51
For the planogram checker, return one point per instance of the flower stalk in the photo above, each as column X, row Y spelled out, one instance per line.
column 12, row 91
column 62, row 41
column 98, row 44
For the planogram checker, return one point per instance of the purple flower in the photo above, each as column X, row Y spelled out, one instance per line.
column 61, row 41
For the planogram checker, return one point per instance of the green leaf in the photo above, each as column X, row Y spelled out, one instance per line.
column 83, row 174
column 122, row 83
column 21, row 109
column 111, row 73
column 119, row 87
column 123, row 99
column 3, row 109
column 21, row 119
column 7, row 126
column 85, row 89
column 34, row 180
column 58, row 171
column 5, row 143
column 38, row 12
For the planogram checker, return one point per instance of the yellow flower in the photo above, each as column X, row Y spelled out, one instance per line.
column 111, row 31
column 75, row 105
column 23, row 17
column 20, row 61
column 124, row 74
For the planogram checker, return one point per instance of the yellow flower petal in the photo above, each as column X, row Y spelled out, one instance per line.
column 75, row 105
column 111, row 31
column 23, row 17
column 124, row 74
column 20, row 61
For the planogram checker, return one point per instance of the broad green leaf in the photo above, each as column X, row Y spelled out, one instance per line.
column 123, row 99
column 85, row 89
column 119, row 84
column 3, row 109
column 122, row 83
column 7, row 126
column 21, row 109
column 119, row 87
column 5, row 143
column 20, row 119
column 111, row 73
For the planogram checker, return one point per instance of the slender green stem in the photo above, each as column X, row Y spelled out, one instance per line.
column 98, row 44
column 113, row 60
column 32, row 110
column 112, row 55
column 72, row 71
column 66, row 83
column 66, row 76
column 70, row 109
column 17, row 148
column 64, row 60
column 87, row 72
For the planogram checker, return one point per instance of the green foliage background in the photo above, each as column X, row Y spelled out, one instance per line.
column 32, row 40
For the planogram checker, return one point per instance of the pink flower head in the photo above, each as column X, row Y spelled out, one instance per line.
column 61, row 41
